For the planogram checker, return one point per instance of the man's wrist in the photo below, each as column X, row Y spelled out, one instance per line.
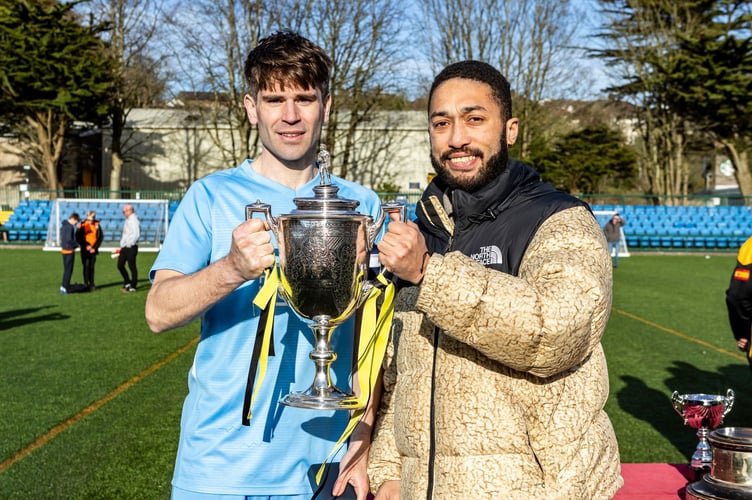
column 423, row 265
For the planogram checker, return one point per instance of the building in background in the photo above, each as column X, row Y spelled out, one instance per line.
column 169, row 148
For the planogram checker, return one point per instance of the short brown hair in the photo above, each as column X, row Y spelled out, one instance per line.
column 287, row 58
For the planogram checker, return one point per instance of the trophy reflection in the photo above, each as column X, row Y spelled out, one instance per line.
column 703, row 412
column 324, row 250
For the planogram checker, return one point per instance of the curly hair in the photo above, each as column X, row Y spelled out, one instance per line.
column 479, row 72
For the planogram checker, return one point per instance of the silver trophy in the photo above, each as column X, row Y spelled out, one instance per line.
column 731, row 474
column 324, row 250
column 703, row 412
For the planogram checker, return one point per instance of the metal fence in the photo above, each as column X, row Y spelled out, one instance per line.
column 10, row 197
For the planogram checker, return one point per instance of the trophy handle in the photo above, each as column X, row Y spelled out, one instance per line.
column 678, row 403
column 729, row 403
column 386, row 208
column 265, row 209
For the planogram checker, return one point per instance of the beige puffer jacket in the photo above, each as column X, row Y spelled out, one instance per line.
column 520, row 381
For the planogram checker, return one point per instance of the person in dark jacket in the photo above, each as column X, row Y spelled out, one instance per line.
column 612, row 230
column 739, row 299
column 68, row 249
column 89, row 237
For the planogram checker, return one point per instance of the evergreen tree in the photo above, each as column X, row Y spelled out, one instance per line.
column 711, row 82
column 585, row 161
column 53, row 72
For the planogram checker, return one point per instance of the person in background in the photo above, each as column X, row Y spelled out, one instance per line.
column 612, row 230
column 739, row 300
column 68, row 249
column 211, row 267
column 129, row 249
column 496, row 380
column 89, row 237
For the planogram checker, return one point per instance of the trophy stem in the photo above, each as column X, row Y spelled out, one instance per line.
column 702, row 458
column 322, row 395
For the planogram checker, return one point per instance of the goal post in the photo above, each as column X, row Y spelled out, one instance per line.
column 153, row 216
column 603, row 216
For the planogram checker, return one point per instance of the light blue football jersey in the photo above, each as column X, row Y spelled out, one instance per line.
column 283, row 446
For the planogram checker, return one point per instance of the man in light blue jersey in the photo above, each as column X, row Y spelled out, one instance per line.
column 210, row 268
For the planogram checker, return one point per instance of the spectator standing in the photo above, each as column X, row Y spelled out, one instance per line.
column 739, row 299
column 496, row 380
column 89, row 237
column 129, row 249
column 211, row 267
column 612, row 230
column 68, row 249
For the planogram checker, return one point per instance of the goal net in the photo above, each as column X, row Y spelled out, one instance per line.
column 603, row 216
column 153, row 216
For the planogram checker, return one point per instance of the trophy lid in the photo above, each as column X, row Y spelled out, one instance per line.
column 325, row 197
column 732, row 437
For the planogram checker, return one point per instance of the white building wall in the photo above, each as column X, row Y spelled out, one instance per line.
column 168, row 149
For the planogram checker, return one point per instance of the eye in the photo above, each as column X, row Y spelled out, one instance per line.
column 306, row 99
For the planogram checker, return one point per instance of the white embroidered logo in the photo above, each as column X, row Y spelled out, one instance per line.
column 488, row 255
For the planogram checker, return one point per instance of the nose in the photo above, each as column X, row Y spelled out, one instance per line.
column 458, row 137
column 290, row 112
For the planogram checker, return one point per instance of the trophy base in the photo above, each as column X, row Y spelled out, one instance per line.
column 709, row 488
column 333, row 399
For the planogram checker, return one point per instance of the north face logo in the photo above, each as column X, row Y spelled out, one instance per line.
column 488, row 255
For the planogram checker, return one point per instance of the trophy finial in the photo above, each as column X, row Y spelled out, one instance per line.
column 324, row 160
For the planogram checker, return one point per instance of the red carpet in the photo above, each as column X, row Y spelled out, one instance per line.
column 655, row 481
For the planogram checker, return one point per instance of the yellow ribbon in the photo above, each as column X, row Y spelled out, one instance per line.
column 373, row 339
column 265, row 297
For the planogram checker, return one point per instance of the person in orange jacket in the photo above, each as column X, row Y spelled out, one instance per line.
column 89, row 237
column 68, row 246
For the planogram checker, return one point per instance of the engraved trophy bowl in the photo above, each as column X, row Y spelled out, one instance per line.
column 731, row 473
column 324, row 250
column 703, row 412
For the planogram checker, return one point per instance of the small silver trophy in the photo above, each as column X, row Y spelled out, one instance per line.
column 324, row 249
column 703, row 412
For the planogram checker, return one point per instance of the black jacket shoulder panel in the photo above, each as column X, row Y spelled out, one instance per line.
column 495, row 225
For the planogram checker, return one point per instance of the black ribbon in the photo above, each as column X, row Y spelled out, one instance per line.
column 263, row 318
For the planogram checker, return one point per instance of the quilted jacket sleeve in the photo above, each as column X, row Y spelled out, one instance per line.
column 544, row 321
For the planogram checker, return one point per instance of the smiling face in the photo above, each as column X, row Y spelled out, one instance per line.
column 469, row 138
column 289, row 122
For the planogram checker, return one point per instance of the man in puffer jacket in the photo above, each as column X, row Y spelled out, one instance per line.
column 495, row 379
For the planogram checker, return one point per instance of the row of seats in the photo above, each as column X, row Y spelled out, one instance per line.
column 33, row 220
column 681, row 227
column 647, row 226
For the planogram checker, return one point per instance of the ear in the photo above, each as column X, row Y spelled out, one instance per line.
column 512, row 129
column 327, row 107
column 250, row 109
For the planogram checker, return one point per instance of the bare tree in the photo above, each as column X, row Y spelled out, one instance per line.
column 139, row 79
column 362, row 38
column 209, row 42
column 643, row 37
column 530, row 41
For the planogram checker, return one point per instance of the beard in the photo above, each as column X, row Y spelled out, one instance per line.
column 490, row 170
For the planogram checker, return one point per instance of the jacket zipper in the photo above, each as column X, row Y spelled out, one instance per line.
column 432, row 414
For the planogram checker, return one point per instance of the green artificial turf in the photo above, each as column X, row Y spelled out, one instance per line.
column 84, row 373
column 668, row 332
column 90, row 399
